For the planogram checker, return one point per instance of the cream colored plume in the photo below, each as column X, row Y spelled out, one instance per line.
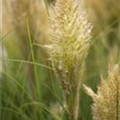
column 106, row 104
column 70, row 34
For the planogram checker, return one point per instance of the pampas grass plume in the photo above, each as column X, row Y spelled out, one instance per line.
column 107, row 99
column 70, row 34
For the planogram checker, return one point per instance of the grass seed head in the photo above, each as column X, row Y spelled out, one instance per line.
column 70, row 34
column 107, row 100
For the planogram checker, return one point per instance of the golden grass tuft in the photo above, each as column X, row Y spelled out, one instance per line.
column 70, row 34
column 107, row 99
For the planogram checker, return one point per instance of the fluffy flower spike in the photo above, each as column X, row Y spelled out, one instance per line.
column 70, row 34
column 107, row 100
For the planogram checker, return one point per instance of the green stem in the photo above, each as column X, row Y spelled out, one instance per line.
column 38, row 94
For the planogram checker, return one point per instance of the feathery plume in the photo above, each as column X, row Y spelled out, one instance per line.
column 70, row 35
column 106, row 104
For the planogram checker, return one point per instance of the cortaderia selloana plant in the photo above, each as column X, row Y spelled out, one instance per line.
column 106, row 104
column 69, row 35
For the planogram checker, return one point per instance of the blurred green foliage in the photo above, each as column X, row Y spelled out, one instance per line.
column 42, row 99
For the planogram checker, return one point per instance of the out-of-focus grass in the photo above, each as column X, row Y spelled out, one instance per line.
column 106, row 20
column 19, row 100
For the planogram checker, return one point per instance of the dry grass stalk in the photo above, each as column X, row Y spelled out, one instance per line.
column 70, row 35
column 107, row 99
